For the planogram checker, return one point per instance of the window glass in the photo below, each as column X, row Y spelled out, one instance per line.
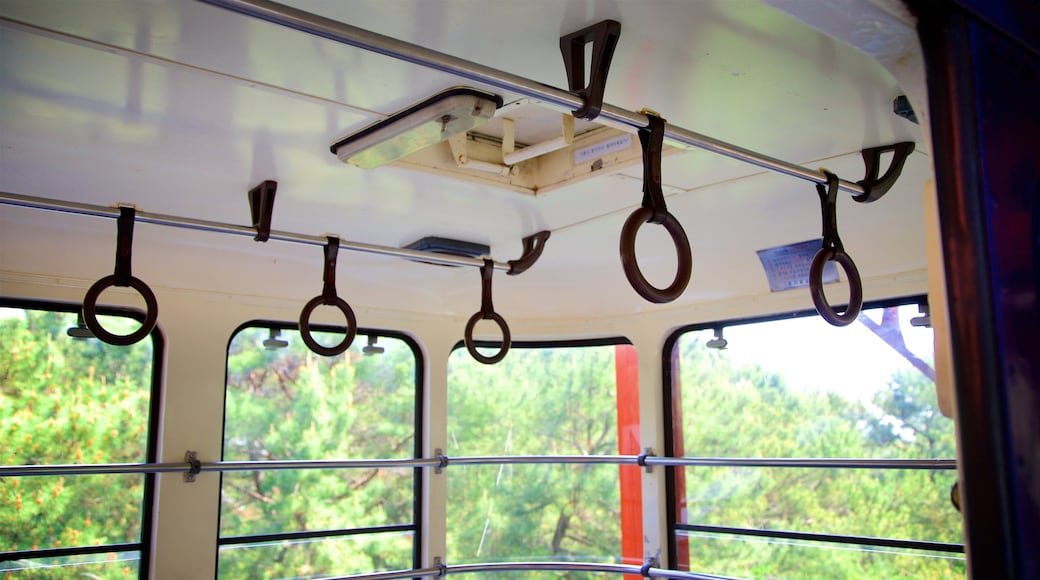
column 801, row 388
column 65, row 400
column 556, row 400
column 285, row 403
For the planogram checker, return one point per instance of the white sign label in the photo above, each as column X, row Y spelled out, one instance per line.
column 602, row 148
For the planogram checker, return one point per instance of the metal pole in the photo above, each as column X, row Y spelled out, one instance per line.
column 590, row 567
column 422, row 572
column 95, row 469
column 319, row 464
column 837, row 463
column 545, row 460
column 226, row 228
column 543, row 566
column 415, row 54
column 649, row 461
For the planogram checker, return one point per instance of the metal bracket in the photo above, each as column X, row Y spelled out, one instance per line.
column 875, row 187
column 533, row 246
column 439, row 454
column 192, row 459
column 511, row 156
column 442, row 569
column 604, row 38
column 641, row 460
column 650, row 562
column 261, row 208
column 459, row 152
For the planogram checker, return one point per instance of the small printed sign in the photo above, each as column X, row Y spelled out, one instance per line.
column 787, row 266
column 602, row 148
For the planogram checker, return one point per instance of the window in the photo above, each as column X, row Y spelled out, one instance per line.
column 69, row 401
column 555, row 399
column 800, row 388
column 285, row 403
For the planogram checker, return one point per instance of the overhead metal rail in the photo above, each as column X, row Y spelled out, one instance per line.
column 226, row 228
column 647, row 571
column 443, row 461
column 415, row 54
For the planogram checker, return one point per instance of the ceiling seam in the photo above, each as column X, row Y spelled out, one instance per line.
column 163, row 61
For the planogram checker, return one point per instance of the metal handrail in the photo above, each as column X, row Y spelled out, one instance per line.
column 442, row 461
column 350, row 35
column 226, row 228
column 589, row 567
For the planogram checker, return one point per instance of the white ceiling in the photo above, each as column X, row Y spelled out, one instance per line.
column 180, row 108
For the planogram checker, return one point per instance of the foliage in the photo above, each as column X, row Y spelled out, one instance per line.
column 742, row 412
column 291, row 404
column 65, row 401
column 552, row 401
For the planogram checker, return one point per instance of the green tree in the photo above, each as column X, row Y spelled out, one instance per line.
column 65, row 401
column 291, row 404
column 548, row 401
column 745, row 411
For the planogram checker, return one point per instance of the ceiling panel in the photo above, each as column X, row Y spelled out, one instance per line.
column 180, row 107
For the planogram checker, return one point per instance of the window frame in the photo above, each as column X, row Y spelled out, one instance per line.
column 416, row 526
column 670, row 384
column 549, row 344
column 144, row 545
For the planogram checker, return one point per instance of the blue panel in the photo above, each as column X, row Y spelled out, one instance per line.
column 1019, row 19
column 1007, row 82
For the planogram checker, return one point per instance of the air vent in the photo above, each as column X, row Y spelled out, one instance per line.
column 450, row 247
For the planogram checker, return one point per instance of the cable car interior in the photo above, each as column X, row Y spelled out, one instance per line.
column 367, row 289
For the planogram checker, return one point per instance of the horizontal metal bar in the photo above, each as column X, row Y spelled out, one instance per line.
column 836, row 463
column 222, row 466
column 545, row 460
column 226, row 228
column 70, row 551
column 314, row 534
column 92, row 469
column 319, row 464
column 587, row 567
column 392, row 575
column 350, row 35
column 543, row 566
column 832, row 538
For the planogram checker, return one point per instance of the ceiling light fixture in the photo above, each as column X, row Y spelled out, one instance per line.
column 448, row 113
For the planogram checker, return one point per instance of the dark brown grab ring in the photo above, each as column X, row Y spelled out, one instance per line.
column 507, row 338
column 305, row 326
column 151, row 314
column 631, row 266
column 827, row 311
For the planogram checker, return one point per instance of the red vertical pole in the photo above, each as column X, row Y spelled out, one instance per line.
column 626, row 364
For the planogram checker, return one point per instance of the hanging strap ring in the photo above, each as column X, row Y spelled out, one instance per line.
column 328, row 297
column 654, row 210
column 122, row 278
column 832, row 249
column 487, row 312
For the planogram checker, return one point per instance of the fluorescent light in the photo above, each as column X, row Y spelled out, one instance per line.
column 439, row 117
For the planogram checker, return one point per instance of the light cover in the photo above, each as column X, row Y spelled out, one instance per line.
column 448, row 113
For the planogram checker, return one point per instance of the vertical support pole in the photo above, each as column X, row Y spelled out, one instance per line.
column 626, row 366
